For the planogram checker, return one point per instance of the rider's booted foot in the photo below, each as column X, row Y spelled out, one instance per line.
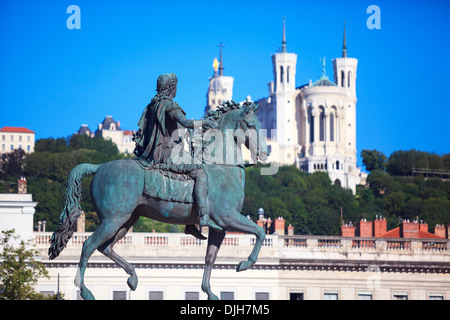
column 206, row 221
column 192, row 230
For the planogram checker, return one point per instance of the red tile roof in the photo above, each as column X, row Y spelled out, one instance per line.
column 16, row 129
column 395, row 233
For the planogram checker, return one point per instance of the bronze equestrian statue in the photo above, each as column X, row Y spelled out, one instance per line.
column 169, row 184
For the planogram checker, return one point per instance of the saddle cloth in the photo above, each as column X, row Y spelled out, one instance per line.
column 167, row 185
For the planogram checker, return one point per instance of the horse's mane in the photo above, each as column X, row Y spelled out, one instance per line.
column 226, row 106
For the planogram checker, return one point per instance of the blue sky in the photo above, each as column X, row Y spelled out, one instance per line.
column 54, row 79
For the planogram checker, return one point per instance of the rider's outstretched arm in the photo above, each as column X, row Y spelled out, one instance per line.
column 181, row 119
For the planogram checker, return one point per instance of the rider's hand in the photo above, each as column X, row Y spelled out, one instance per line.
column 208, row 124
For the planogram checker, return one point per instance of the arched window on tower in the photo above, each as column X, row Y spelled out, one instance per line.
column 321, row 124
column 311, row 126
column 281, row 74
column 349, row 77
column 342, row 78
column 287, row 74
column 331, row 127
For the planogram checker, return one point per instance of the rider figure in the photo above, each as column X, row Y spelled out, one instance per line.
column 154, row 143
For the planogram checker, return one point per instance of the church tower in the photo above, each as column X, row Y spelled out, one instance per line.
column 220, row 87
column 345, row 78
column 283, row 93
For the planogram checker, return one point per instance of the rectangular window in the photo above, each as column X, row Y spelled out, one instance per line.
column 28, row 139
column 296, row 296
column 330, row 295
column 155, row 295
column 20, row 138
column 400, row 296
column 119, row 295
column 28, row 148
column 364, row 295
column 12, row 147
column 3, row 137
column 226, row 295
column 12, row 138
column 3, row 147
column 262, row 296
column 436, row 296
column 192, row 295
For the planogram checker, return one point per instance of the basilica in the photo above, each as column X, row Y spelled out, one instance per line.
column 312, row 126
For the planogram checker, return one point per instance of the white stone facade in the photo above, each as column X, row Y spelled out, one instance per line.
column 12, row 138
column 110, row 129
column 314, row 125
column 16, row 212
column 170, row 267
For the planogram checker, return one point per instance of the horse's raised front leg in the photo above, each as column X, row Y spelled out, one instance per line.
column 238, row 222
column 215, row 239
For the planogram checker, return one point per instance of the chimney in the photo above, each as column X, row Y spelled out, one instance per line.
column 261, row 223
column 439, row 230
column 81, row 222
column 279, row 226
column 423, row 226
column 290, row 230
column 409, row 229
column 365, row 228
column 22, row 185
column 348, row 230
column 379, row 226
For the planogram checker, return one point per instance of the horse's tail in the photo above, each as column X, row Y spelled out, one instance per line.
column 72, row 209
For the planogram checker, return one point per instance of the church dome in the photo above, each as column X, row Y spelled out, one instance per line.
column 323, row 82
column 215, row 85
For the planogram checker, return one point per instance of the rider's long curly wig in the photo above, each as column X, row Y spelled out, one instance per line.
column 166, row 83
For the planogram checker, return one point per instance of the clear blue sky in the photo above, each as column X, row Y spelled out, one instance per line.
column 54, row 79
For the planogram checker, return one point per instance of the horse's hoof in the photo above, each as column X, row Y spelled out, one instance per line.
column 132, row 282
column 244, row 265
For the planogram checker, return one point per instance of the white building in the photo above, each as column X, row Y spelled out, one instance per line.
column 313, row 126
column 110, row 129
column 170, row 267
column 12, row 138
column 17, row 211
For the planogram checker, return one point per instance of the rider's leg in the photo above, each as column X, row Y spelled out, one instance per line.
column 200, row 193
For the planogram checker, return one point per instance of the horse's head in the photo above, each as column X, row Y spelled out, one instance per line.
column 242, row 121
column 253, row 136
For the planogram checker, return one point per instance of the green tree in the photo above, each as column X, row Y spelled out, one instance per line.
column 12, row 164
column 51, row 145
column 374, row 160
column 19, row 271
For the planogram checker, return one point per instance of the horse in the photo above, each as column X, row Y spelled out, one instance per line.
column 117, row 192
